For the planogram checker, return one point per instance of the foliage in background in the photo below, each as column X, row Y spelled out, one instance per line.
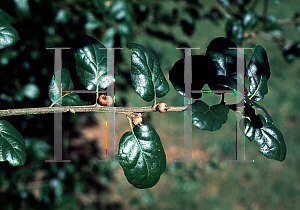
column 45, row 24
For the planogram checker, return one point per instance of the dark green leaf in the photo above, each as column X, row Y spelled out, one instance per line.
column 268, row 137
column 6, row 17
column 146, row 76
column 125, row 31
column 91, row 63
column 199, row 75
column 188, row 25
column 109, row 36
column 249, row 19
column 12, row 145
column 223, row 59
column 92, row 22
column 271, row 26
column 68, row 99
column 258, row 72
column 234, row 31
column 222, row 83
column 224, row 3
column 223, row 64
column 120, row 10
column 22, row 8
column 207, row 117
column 8, row 35
column 142, row 156
column 267, row 115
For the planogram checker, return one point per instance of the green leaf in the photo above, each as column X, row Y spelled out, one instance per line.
column 249, row 19
column 68, row 99
column 8, row 35
column 267, row 115
column 224, row 60
column 271, row 26
column 109, row 36
column 142, row 156
column 120, row 10
column 207, row 117
column 12, row 145
column 223, row 65
column 6, row 17
column 258, row 72
column 146, row 76
column 22, row 8
column 224, row 3
column 92, row 22
column 234, row 31
column 199, row 75
column 268, row 137
column 91, row 63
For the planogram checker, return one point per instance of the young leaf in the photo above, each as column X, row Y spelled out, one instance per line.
column 146, row 76
column 258, row 72
column 91, row 63
column 142, row 156
column 8, row 35
column 68, row 99
column 268, row 137
column 207, row 117
column 12, row 145
column 199, row 75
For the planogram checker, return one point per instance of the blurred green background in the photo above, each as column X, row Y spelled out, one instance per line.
column 26, row 69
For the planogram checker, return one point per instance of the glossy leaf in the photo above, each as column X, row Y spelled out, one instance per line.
column 207, row 117
column 142, row 156
column 91, row 63
column 199, row 75
column 267, row 115
column 258, row 72
column 68, row 99
column 8, row 35
column 223, row 64
column 223, row 59
column 269, row 138
column 146, row 76
column 12, row 145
